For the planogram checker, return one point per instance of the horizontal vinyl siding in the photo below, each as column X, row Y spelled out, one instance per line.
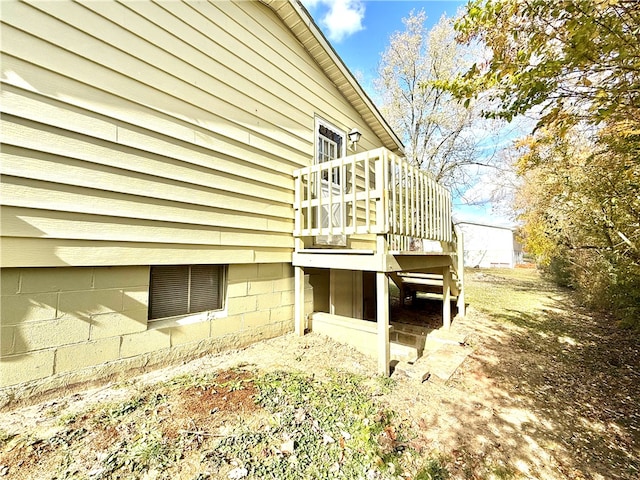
column 21, row 222
column 137, row 133
column 30, row 193
column 62, row 253
column 83, row 154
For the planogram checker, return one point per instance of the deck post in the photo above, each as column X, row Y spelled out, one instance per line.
column 461, row 307
column 382, row 316
column 446, row 298
column 299, row 300
column 460, row 251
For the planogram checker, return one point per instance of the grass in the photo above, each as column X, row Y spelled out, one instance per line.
column 551, row 387
column 567, row 365
column 5, row 436
column 330, row 428
column 113, row 413
column 434, row 469
column 496, row 291
column 503, row 472
column 305, row 427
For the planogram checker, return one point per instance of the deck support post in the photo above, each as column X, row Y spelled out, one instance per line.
column 299, row 300
column 460, row 303
column 446, row 298
column 382, row 316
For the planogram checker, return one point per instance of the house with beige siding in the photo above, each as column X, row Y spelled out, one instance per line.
column 178, row 179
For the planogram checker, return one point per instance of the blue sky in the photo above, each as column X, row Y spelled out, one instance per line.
column 359, row 31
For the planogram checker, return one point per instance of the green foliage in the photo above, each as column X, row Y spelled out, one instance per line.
column 580, row 209
column 112, row 414
column 501, row 472
column 433, row 470
column 5, row 436
column 559, row 270
column 68, row 419
column 149, row 450
column 191, row 380
column 575, row 59
column 385, row 384
column 332, row 428
column 621, row 286
column 576, row 64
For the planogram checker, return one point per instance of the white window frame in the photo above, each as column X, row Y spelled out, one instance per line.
column 195, row 317
column 321, row 122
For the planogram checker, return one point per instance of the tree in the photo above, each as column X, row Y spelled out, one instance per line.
column 572, row 60
column 441, row 134
column 575, row 64
column 580, row 209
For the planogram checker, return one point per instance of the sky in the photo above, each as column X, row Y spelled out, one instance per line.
column 359, row 31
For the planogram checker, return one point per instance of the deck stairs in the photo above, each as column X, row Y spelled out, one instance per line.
column 373, row 212
column 431, row 284
column 437, row 353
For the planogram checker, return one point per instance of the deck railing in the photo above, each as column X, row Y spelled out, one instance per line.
column 373, row 192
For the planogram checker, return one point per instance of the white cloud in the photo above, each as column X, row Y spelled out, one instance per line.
column 342, row 17
column 482, row 192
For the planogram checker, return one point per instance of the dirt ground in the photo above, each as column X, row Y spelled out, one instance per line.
column 549, row 391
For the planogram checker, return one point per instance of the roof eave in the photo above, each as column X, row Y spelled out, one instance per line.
column 296, row 17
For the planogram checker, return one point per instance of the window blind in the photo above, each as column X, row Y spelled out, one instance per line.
column 183, row 289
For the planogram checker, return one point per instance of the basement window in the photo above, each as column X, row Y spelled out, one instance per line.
column 179, row 290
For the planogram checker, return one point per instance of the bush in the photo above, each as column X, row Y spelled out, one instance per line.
column 559, row 271
column 606, row 281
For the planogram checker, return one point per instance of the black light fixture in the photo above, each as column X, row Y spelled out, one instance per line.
column 354, row 138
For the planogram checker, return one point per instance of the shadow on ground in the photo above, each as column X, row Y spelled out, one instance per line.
column 554, row 387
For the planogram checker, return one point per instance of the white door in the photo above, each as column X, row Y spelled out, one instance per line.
column 330, row 144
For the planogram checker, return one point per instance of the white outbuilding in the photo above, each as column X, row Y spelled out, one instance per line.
column 490, row 246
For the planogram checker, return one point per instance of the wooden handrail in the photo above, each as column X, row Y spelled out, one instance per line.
column 372, row 192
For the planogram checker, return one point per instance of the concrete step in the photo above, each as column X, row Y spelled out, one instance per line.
column 447, row 336
column 438, row 335
column 437, row 366
column 403, row 353
column 443, row 362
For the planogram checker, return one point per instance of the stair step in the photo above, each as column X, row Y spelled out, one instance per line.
column 422, row 281
column 435, row 336
column 443, row 362
column 404, row 353
column 449, row 337
column 426, row 276
column 437, row 366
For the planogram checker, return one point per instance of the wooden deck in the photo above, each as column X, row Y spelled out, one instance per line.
column 381, row 215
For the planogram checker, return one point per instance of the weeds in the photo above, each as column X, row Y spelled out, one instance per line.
column 190, row 380
column 503, row 472
column 235, row 385
column 5, row 437
column 68, row 419
column 434, row 469
column 150, row 450
column 112, row 414
column 320, row 429
column 314, row 428
column 385, row 384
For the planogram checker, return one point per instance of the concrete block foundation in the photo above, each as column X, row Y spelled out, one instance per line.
column 71, row 325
